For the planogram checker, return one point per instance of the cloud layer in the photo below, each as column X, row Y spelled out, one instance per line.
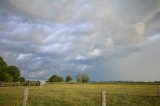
column 111, row 40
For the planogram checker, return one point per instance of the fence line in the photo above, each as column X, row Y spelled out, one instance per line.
column 103, row 96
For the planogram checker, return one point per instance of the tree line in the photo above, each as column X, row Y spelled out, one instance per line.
column 82, row 77
column 9, row 73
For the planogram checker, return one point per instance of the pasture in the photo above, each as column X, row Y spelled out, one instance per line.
column 82, row 95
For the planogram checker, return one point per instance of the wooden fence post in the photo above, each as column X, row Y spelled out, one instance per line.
column 126, row 90
column 103, row 98
column 25, row 96
column 158, row 90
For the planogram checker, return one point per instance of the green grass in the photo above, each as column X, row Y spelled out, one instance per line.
column 11, row 96
column 82, row 95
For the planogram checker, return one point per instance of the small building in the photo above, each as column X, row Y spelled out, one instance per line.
column 33, row 83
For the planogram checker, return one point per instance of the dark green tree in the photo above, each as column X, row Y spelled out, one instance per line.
column 56, row 78
column 14, row 72
column 4, row 69
column 83, row 77
column 68, row 79
column 6, row 77
column 8, row 73
column 22, row 79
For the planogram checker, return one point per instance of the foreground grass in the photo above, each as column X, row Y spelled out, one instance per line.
column 11, row 96
column 82, row 95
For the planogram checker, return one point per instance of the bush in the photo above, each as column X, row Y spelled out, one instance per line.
column 68, row 79
column 22, row 79
column 56, row 78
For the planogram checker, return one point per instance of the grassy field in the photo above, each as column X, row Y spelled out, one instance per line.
column 82, row 95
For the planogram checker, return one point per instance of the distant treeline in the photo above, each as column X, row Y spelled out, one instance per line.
column 81, row 77
column 125, row 82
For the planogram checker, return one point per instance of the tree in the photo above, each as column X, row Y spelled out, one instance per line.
column 68, row 79
column 14, row 72
column 83, row 77
column 4, row 69
column 5, row 77
column 79, row 78
column 8, row 73
column 22, row 79
column 55, row 78
column 2, row 62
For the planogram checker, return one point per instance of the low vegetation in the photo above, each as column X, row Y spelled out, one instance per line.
column 82, row 95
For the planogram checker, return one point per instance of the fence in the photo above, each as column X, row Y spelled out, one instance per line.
column 117, row 96
column 103, row 97
column 82, row 95
column 27, row 83
column 7, row 84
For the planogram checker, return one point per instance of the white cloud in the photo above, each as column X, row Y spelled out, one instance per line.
column 109, row 42
column 80, row 57
column 95, row 53
column 155, row 38
column 24, row 56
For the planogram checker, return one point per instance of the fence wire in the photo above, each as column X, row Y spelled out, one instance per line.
column 128, row 95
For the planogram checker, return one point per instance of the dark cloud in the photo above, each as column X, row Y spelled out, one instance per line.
column 68, row 37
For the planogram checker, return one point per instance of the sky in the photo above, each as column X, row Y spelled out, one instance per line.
column 111, row 40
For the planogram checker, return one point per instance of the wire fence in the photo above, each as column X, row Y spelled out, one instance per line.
column 127, row 95
column 115, row 97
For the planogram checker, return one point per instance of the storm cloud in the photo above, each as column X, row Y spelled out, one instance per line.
column 109, row 39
